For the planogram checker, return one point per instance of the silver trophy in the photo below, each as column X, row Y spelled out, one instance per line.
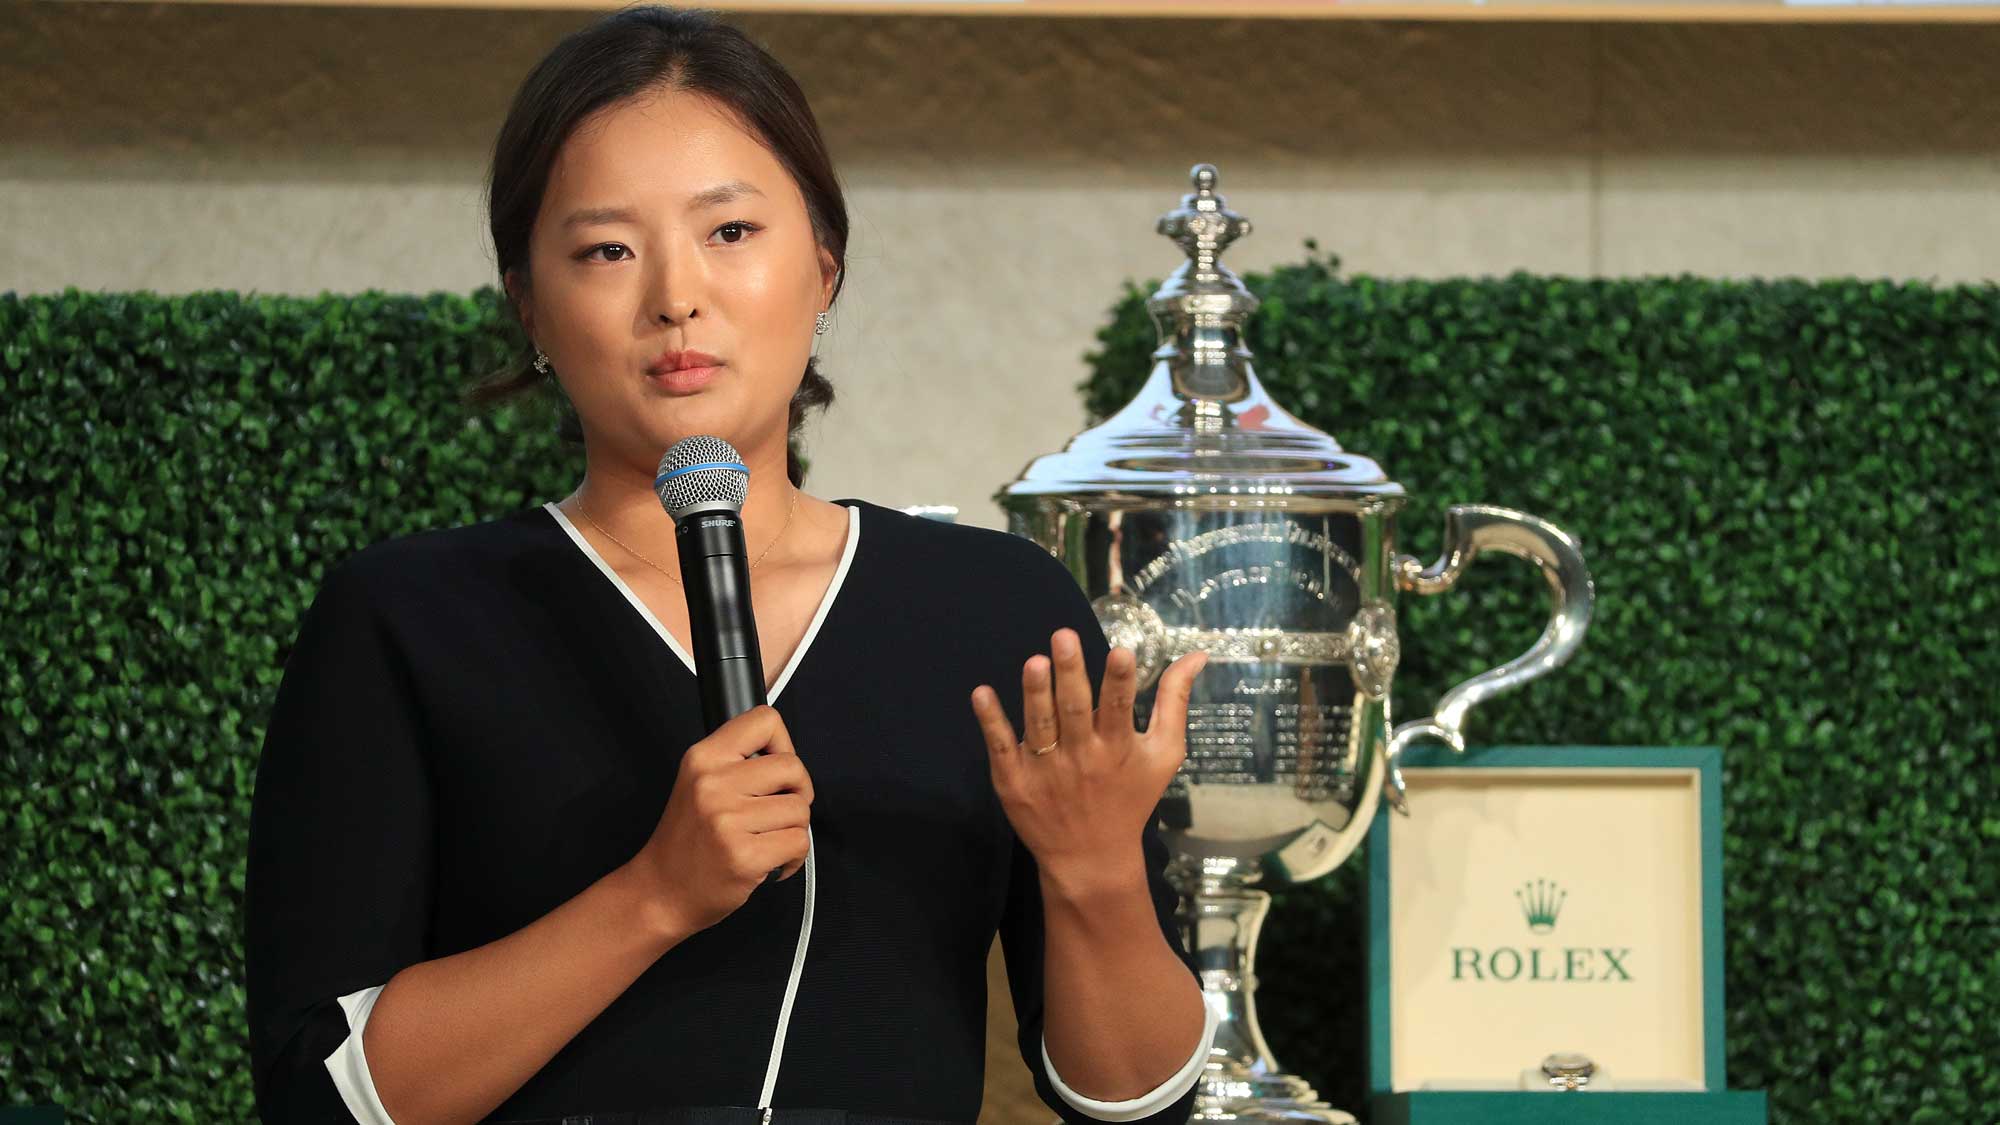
column 1203, row 516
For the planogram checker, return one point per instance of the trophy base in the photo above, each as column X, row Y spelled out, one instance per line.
column 1268, row 1097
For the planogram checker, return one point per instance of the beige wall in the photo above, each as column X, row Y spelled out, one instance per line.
column 1004, row 175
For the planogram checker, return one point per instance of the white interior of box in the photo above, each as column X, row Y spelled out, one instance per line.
column 1618, row 853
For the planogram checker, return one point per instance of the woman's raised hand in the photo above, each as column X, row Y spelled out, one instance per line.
column 1086, row 802
column 732, row 817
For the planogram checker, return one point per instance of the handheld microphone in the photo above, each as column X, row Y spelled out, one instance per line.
column 702, row 483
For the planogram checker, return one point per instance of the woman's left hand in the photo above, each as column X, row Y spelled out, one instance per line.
column 1085, row 802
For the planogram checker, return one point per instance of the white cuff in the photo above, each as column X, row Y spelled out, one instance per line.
column 1161, row 1096
column 349, row 1067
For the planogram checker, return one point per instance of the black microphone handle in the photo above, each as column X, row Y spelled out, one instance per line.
column 727, row 662
column 720, row 621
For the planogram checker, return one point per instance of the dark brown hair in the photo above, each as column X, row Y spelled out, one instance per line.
column 630, row 52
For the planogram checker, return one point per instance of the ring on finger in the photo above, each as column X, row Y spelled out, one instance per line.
column 1045, row 749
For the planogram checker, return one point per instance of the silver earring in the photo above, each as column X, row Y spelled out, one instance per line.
column 541, row 362
column 821, row 323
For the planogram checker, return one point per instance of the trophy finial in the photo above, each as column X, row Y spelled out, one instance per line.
column 1203, row 225
column 1200, row 310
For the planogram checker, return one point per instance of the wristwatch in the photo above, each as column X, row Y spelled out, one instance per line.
column 1567, row 1070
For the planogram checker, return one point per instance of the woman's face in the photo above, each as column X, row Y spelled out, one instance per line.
column 666, row 227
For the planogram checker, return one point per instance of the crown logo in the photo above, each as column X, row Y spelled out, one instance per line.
column 1541, row 901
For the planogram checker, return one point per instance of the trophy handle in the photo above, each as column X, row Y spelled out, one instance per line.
column 1468, row 530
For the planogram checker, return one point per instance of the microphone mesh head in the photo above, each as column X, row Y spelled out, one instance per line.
column 721, row 480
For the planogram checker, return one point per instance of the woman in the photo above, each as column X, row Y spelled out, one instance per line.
column 499, row 872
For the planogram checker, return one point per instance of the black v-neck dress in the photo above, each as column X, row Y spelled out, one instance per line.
column 476, row 723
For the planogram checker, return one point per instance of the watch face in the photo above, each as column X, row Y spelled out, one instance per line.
column 1565, row 1063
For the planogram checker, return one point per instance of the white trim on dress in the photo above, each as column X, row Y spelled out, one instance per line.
column 1161, row 1096
column 349, row 1066
column 812, row 630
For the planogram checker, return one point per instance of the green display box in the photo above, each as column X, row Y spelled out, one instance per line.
column 1450, row 1107
column 1544, row 899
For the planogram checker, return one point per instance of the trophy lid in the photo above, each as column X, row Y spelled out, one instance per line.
column 1202, row 426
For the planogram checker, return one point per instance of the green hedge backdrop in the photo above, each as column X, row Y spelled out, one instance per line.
column 1785, row 490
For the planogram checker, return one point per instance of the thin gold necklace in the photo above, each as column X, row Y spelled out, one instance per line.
column 663, row 570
